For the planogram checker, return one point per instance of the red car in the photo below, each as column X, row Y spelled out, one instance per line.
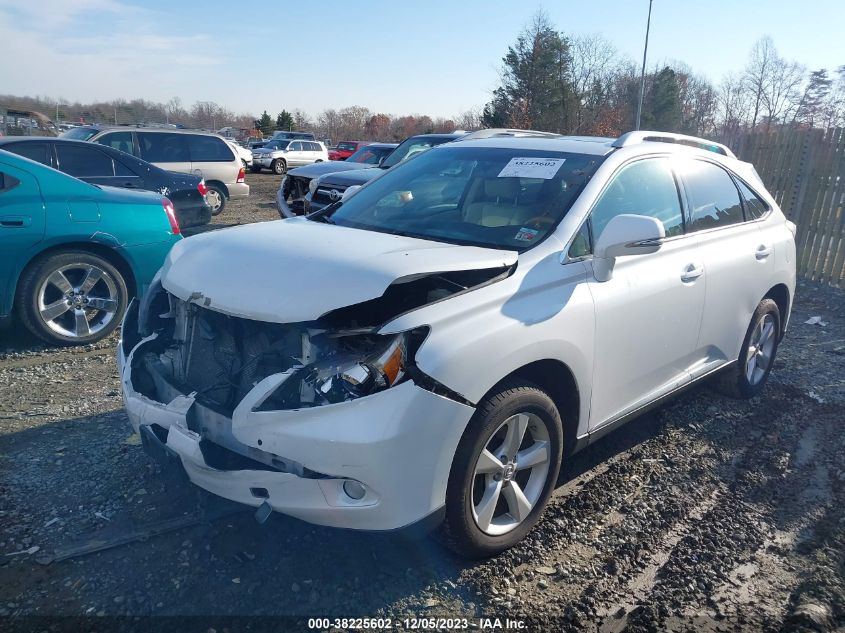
column 345, row 149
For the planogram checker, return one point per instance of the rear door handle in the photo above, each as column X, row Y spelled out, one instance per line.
column 692, row 272
column 763, row 251
column 15, row 221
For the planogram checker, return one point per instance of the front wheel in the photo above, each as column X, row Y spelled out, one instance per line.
column 278, row 166
column 71, row 298
column 216, row 199
column 504, row 471
column 747, row 377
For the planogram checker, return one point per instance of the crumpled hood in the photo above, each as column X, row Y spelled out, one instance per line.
column 295, row 270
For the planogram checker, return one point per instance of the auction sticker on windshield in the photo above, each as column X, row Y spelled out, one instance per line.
column 545, row 168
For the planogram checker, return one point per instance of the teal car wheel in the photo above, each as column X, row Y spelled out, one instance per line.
column 72, row 297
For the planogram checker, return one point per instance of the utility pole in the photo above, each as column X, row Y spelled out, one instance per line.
column 642, row 74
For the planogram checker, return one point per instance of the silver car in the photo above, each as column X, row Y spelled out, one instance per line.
column 281, row 154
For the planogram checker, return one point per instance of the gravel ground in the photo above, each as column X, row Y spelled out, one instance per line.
column 707, row 514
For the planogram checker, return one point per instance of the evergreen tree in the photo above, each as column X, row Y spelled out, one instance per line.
column 284, row 121
column 265, row 123
column 536, row 88
column 664, row 104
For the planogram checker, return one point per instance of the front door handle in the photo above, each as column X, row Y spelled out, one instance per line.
column 15, row 221
column 692, row 272
column 763, row 251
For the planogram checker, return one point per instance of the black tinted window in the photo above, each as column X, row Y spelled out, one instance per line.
column 164, row 148
column 296, row 146
column 7, row 182
column 117, row 140
column 209, row 149
column 714, row 200
column 314, row 147
column 83, row 162
column 645, row 187
column 39, row 152
column 755, row 207
column 122, row 170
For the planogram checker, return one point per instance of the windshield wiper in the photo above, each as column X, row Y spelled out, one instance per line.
column 320, row 217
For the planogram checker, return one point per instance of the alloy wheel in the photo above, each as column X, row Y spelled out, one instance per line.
column 78, row 300
column 760, row 350
column 214, row 199
column 510, row 474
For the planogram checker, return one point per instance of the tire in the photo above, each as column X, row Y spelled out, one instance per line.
column 246, row 166
column 255, row 168
column 47, row 282
column 216, row 199
column 742, row 379
column 511, row 405
column 278, row 166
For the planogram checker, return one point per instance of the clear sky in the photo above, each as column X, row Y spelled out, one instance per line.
column 436, row 57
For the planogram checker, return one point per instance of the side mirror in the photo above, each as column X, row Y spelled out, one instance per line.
column 350, row 191
column 626, row 235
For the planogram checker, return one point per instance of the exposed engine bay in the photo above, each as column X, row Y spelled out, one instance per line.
column 220, row 358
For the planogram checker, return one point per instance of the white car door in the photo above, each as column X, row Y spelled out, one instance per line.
column 295, row 155
column 738, row 259
column 647, row 315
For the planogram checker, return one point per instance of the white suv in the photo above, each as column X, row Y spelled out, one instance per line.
column 279, row 155
column 429, row 349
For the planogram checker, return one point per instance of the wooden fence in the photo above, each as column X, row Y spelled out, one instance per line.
column 804, row 169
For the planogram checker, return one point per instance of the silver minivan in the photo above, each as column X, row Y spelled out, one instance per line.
column 184, row 151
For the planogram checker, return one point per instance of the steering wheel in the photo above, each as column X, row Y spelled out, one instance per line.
column 541, row 219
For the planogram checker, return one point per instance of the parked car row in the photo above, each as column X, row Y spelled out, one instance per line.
column 104, row 165
column 183, row 151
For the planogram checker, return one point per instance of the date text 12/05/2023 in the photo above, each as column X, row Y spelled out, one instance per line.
column 418, row 624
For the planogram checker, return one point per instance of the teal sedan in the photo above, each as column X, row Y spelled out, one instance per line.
column 72, row 254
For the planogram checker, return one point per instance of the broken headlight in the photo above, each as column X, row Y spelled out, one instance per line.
column 354, row 377
column 338, row 366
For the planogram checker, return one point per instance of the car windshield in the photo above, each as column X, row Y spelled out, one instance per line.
column 411, row 147
column 79, row 133
column 346, row 147
column 277, row 145
column 492, row 197
column 369, row 155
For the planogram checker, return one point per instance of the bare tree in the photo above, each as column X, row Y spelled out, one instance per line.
column 595, row 62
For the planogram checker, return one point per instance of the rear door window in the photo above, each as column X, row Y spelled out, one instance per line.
column 209, row 149
column 39, row 152
column 714, row 199
column 117, row 140
column 755, row 207
column 164, row 148
column 84, row 162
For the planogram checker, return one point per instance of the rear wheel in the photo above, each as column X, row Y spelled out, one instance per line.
column 216, row 199
column 747, row 377
column 71, row 298
column 278, row 166
column 504, row 471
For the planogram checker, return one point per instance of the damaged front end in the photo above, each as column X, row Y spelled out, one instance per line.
column 222, row 358
column 256, row 410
